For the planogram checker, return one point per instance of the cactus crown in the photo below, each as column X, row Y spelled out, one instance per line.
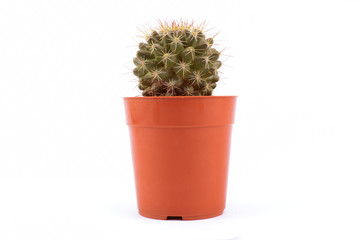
column 177, row 60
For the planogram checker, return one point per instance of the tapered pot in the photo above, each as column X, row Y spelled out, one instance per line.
column 180, row 149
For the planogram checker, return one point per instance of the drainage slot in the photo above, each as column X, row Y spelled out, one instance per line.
column 174, row 218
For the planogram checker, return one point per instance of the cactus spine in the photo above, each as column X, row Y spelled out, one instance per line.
column 177, row 60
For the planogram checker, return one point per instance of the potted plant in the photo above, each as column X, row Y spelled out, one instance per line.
column 180, row 134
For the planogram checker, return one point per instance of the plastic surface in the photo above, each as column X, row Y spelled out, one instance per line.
column 180, row 149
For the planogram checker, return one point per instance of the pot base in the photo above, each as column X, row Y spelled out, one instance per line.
column 181, row 217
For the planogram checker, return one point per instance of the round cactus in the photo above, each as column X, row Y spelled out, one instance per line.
column 177, row 60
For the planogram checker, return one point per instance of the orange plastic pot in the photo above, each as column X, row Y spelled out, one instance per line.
column 180, row 149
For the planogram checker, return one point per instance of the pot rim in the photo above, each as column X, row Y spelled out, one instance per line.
column 177, row 97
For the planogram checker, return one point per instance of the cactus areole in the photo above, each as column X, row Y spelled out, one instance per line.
column 180, row 134
column 177, row 59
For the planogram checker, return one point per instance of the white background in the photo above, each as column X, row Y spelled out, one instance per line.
column 65, row 162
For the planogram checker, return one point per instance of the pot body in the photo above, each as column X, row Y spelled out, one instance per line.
column 180, row 149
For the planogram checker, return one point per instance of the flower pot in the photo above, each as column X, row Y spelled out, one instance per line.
column 180, row 149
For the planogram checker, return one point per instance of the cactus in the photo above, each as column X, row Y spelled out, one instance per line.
column 177, row 60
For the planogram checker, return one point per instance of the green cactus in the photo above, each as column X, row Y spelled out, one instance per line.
column 177, row 60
